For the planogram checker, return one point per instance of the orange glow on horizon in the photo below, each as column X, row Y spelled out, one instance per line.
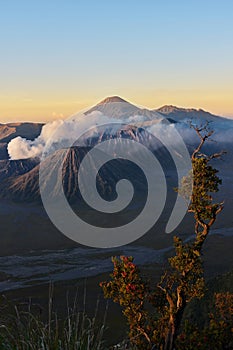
column 44, row 110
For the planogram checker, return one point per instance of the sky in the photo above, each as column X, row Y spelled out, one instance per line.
column 60, row 56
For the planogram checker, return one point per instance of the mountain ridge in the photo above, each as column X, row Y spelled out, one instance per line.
column 28, row 130
column 173, row 108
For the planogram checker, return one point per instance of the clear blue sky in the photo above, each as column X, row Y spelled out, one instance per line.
column 58, row 56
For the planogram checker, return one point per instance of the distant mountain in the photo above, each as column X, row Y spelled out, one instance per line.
column 179, row 114
column 113, row 99
column 11, row 130
column 116, row 107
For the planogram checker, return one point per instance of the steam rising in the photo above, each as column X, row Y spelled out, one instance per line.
column 21, row 148
column 61, row 133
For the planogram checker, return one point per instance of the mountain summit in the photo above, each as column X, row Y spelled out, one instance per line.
column 117, row 108
column 112, row 99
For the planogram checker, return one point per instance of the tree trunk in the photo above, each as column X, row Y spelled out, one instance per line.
column 170, row 337
column 173, row 328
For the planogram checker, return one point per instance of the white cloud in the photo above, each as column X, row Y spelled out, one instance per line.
column 63, row 133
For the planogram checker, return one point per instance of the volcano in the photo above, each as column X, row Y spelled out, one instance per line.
column 20, row 178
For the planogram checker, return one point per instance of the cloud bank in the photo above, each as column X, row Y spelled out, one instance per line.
column 62, row 133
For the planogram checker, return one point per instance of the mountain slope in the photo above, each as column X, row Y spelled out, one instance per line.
column 9, row 168
column 118, row 108
column 3, row 151
column 67, row 162
column 12, row 130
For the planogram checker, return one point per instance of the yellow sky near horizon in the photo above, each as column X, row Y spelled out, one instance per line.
column 41, row 108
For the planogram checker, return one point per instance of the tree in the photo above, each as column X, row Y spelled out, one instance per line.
column 183, row 280
column 217, row 334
